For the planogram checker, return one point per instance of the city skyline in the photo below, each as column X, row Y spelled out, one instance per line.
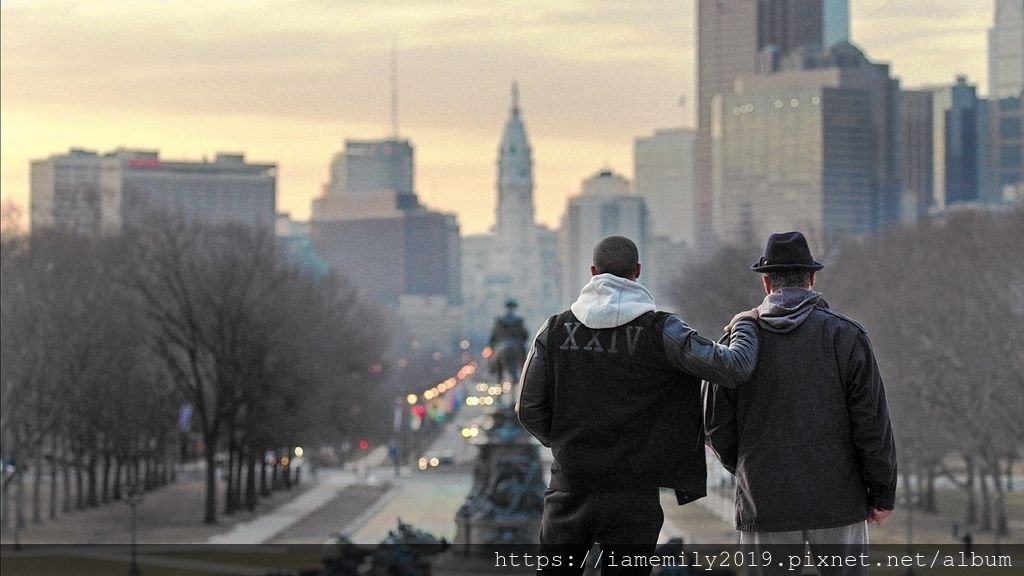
column 289, row 88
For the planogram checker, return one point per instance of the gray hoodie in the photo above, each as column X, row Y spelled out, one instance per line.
column 786, row 309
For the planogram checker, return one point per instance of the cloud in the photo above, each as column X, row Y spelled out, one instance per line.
column 926, row 41
column 594, row 75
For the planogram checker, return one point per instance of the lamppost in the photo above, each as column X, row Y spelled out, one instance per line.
column 133, row 497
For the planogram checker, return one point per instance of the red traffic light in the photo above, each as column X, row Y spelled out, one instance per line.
column 364, row 444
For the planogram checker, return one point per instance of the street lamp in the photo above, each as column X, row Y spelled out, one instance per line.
column 133, row 497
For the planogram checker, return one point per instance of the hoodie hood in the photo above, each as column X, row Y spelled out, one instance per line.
column 608, row 301
column 785, row 310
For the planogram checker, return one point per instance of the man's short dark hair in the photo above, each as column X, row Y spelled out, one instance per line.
column 616, row 255
column 790, row 278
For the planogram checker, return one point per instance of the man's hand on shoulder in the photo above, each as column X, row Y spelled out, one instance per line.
column 879, row 516
column 751, row 315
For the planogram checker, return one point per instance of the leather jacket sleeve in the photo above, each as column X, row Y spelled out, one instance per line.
column 727, row 366
column 870, row 427
column 534, row 404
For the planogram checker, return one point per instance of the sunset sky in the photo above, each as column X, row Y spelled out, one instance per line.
column 288, row 82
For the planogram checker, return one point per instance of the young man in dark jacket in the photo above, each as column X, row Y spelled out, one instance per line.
column 808, row 437
column 613, row 387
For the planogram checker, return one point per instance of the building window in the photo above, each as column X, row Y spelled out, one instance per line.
column 1010, row 156
column 1009, row 128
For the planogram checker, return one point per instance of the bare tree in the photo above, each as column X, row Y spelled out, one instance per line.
column 943, row 300
column 245, row 336
column 710, row 290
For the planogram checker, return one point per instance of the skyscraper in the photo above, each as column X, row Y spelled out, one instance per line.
column 664, row 173
column 226, row 190
column 369, row 226
column 368, row 175
column 605, row 206
column 836, row 19
column 739, row 38
column 832, row 165
column 1006, row 102
column 65, row 193
column 916, row 165
column 727, row 48
column 89, row 193
column 960, row 138
column 1006, row 50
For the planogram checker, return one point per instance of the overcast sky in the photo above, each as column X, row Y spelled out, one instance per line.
column 288, row 82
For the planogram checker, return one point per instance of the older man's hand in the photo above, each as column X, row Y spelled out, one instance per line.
column 751, row 314
column 879, row 516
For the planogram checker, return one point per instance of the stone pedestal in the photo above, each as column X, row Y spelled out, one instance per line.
column 504, row 507
column 506, row 502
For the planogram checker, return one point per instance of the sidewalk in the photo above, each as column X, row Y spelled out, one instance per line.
column 327, row 485
column 171, row 514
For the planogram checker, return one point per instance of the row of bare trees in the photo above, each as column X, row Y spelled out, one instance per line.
column 78, row 395
column 105, row 339
column 943, row 303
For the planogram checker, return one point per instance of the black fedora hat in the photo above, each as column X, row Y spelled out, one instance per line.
column 786, row 251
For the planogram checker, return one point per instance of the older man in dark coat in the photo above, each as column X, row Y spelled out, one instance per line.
column 808, row 437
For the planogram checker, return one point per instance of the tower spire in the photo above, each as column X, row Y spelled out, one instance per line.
column 515, row 97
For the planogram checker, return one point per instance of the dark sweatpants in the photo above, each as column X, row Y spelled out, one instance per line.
column 624, row 523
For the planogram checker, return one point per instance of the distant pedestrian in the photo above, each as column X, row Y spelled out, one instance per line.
column 808, row 437
column 613, row 387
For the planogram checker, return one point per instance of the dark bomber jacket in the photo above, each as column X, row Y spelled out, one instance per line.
column 618, row 401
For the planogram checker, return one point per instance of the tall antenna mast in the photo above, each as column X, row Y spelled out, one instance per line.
column 394, row 89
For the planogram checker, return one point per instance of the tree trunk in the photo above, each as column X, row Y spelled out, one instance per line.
column 147, row 466
column 93, row 499
column 229, row 475
column 930, row 503
column 118, row 470
column 1002, row 524
column 972, row 501
column 1010, row 459
column 986, row 501
column 105, row 494
column 210, row 455
column 239, row 466
column 250, row 482
column 5, row 506
column 66, row 468
column 79, row 482
column 37, row 486
column 19, row 505
column 172, row 464
column 5, row 503
column 264, row 489
column 53, row 477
